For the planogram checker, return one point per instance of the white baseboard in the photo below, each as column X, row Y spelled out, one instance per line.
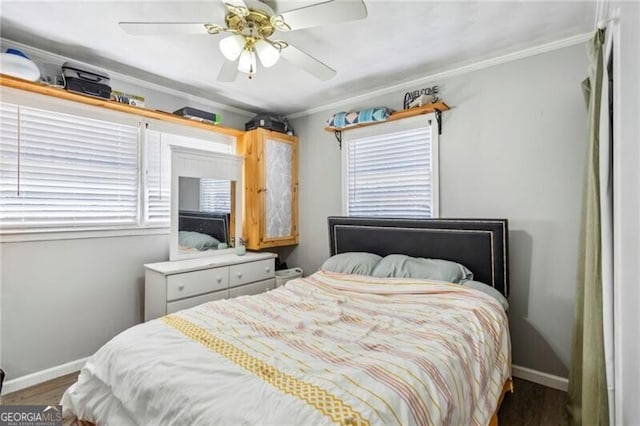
column 42, row 376
column 544, row 379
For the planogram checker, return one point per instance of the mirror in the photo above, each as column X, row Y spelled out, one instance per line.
column 205, row 206
column 204, row 214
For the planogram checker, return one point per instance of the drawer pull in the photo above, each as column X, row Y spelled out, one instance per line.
column 267, row 269
column 180, row 287
column 219, row 279
column 239, row 274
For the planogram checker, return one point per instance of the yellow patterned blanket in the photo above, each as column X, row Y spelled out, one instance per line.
column 327, row 349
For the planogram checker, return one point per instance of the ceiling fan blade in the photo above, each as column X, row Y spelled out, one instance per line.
column 228, row 72
column 307, row 63
column 328, row 12
column 166, row 28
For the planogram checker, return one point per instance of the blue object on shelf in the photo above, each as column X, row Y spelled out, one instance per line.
column 16, row 52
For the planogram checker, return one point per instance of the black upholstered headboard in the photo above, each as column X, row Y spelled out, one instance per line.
column 479, row 244
column 215, row 224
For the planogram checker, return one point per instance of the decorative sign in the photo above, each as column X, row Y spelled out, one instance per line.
column 431, row 92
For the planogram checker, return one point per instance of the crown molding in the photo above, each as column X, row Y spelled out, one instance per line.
column 54, row 57
column 451, row 72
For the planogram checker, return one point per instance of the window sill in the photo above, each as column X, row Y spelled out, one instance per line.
column 71, row 234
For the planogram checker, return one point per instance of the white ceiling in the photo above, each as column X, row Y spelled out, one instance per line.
column 398, row 41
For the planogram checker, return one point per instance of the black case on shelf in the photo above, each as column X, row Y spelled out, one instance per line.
column 270, row 122
column 81, row 79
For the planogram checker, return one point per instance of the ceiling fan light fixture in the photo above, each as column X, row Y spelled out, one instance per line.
column 232, row 46
column 267, row 53
column 247, row 63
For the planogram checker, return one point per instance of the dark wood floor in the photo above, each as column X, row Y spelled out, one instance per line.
column 530, row 404
column 47, row 393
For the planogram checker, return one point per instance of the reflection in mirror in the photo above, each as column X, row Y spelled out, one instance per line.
column 206, row 200
column 205, row 219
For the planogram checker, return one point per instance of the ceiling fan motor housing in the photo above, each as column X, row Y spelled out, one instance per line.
column 256, row 23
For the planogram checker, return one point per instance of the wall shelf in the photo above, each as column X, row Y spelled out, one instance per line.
column 43, row 89
column 425, row 109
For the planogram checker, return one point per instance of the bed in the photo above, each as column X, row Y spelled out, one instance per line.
column 330, row 348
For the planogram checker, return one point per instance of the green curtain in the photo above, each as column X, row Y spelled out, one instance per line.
column 587, row 396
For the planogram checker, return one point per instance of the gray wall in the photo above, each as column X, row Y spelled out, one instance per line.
column 513, row 146
column 62, row 300
column 189, row 190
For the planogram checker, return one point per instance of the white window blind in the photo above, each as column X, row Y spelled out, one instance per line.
column 59, row 170
column 215, row 195
column 158, row 178
column 391, row 169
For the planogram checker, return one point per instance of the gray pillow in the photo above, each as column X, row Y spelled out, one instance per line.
column 487, row 289
column 403, row 266
column 197, row 240
column 360, row 263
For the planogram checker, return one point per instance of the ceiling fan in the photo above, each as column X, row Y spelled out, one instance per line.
column 251, row 24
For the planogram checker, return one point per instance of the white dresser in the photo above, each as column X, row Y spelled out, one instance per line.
column 181, row 284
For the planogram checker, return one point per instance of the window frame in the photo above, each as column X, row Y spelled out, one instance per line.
column 142, row 227
column 429, row 120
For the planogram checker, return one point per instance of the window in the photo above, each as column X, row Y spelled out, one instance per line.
column 391, row 169
column 74, row 172
column 63, row 171
column 157, row 178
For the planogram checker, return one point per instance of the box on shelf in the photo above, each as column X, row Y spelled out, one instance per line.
column 126, row 98
column 199, row 115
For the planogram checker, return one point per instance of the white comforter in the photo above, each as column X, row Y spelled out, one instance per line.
column 326, row 349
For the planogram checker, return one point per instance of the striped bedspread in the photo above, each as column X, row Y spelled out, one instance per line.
column 327, row 349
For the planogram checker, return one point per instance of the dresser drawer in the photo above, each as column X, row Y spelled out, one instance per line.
column 193, row 283
column 255, row 288
column 249, row 272
column 195, row 301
